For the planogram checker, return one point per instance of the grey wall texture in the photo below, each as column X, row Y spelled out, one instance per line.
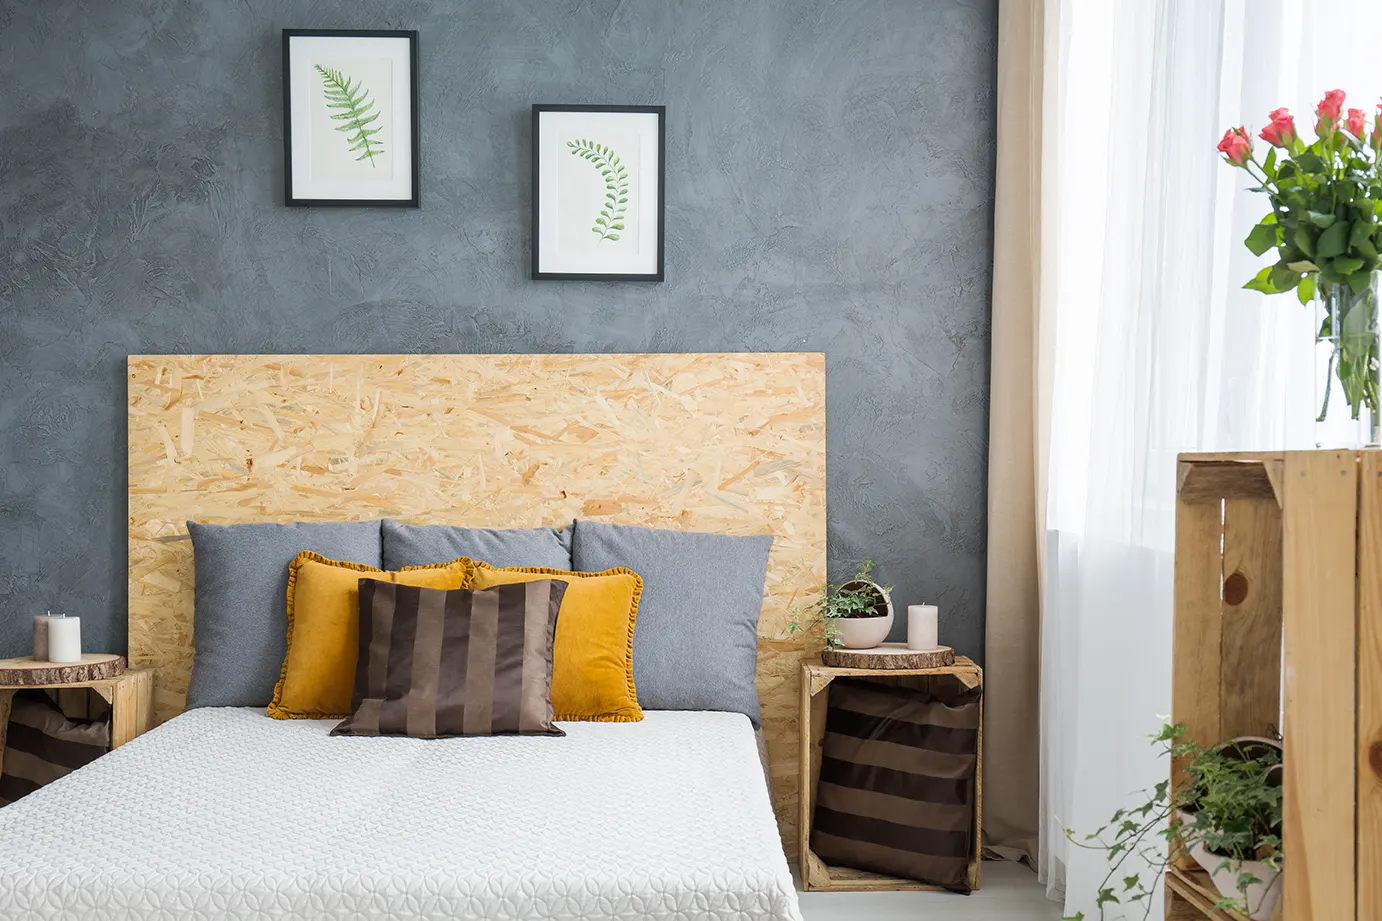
column 829, row 188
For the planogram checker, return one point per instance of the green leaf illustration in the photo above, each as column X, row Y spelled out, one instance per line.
column 359, row 117
column 616, row 179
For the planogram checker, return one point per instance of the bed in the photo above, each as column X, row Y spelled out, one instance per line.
column 224, row 813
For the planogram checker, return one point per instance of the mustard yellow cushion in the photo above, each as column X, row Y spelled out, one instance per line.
column 318, row 673
column 592, row 655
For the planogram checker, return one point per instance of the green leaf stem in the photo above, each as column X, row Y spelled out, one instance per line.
column 611, row 220
column 359, row 117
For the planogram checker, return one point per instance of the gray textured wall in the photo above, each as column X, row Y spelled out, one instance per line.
column 829, row 187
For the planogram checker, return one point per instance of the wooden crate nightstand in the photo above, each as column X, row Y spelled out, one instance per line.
column 130, row 695
column 815, row 692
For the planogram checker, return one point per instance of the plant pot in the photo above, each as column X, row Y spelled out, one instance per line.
column 1255, row 747
column 1260, row 898
column 865, row 632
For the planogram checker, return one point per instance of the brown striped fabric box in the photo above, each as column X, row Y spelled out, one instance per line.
column 436, row 663
column 896, row 791
column 40, row 745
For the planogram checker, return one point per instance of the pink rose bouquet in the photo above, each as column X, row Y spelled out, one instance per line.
column 1325, row 226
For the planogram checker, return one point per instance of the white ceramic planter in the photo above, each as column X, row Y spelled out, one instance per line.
column 1260, row 898
column 865, row 632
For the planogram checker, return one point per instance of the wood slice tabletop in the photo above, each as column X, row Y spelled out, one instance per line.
column 889, row 655
column 27, row 671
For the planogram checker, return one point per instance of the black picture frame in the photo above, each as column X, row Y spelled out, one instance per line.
column 661, row 113
column 415, row 129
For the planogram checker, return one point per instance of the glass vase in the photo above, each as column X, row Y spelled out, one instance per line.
column 1346, row 365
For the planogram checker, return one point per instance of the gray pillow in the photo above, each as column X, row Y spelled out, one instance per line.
column 695, row 645
column 425, row 544
column 241, row 621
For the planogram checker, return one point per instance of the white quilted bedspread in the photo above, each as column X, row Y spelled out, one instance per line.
column 229, row 814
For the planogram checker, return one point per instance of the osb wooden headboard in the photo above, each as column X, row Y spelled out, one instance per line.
column 733, row 443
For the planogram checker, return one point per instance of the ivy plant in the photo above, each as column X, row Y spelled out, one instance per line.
column 1233, row 795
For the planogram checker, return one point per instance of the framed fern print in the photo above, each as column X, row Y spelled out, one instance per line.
column 350, row 121
column 598, row 200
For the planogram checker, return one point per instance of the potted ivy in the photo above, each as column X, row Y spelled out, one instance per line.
column 856, row 614
column 1226, row 813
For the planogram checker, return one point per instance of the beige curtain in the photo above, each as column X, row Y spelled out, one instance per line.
column 1019, row 429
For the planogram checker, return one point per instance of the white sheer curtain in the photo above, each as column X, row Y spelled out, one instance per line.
column 1158, row 350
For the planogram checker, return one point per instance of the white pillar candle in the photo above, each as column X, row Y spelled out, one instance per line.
column 41, row 636
column 923, row 626
column 65, row 639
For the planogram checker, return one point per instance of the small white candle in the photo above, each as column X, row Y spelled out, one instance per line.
column 41, row 636
column 65, row 639
column 923, row 626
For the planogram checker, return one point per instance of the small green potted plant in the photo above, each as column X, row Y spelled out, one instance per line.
column 1227, row 815
column 853, row 615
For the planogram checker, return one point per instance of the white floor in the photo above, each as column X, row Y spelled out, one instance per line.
column 1009, row 892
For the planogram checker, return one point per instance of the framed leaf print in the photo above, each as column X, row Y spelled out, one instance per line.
column 350, row 120
column 598, row 198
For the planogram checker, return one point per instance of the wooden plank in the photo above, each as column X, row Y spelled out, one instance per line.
column 813, row 724
column 1250, row 657
column 889, row 656
column 1210, row 481
column 1369, row 821
column 26, row 671
column 1220, row 457
column 1319, row 547
column 806, row 774
column 826, row 878
column 976, row 861
column 1197, row 636
column 815, row 874
column 963, row 668
column 1190, row 894
column 1276, row 472
column 75, row 703
column 1178, row 909
column 104, row 686
column 132, row 709
column 963, row 665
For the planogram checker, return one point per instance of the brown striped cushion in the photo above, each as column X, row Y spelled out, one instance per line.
column 896, row 791
column 42, row 745
column 436, row 663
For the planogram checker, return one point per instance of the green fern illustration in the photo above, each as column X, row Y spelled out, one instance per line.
column 611, row 220
column 358, row 112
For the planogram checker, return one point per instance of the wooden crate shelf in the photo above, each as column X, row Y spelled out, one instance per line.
column 1278, row 624
column 816, row 874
